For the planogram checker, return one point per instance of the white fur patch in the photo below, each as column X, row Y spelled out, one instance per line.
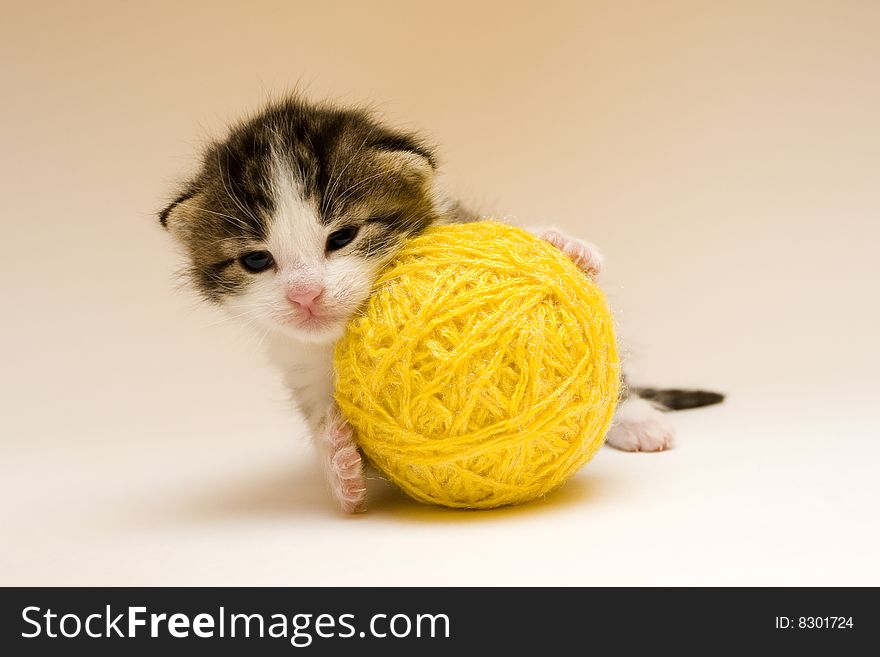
column 296, row 237
column 297, row 241
column 639, row 427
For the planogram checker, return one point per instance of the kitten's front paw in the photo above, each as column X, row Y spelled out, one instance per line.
column 586, row 256
column 345, row 467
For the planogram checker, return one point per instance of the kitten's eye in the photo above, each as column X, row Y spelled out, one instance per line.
column 341, row 237
column 257, row 261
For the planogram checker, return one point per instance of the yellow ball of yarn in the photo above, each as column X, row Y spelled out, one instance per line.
column 483, row 370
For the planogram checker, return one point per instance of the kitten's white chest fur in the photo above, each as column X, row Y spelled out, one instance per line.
column 307, row 371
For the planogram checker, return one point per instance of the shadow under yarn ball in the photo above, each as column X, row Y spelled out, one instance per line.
column 483, row 370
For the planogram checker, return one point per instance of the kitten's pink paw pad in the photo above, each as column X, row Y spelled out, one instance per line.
column 345, row 465
column 645, row 435
column 586, row 256
column 349, row 487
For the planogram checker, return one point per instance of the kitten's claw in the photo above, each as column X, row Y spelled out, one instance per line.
column 345, row 468
column 586, row 256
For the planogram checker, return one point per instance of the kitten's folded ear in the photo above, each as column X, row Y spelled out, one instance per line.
column 176, row 214
column 403, row 144
column 405, row 154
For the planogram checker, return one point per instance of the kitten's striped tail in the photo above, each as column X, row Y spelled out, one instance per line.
column 676, row 399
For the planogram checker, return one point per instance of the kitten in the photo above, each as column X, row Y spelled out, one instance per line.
column 286, row 225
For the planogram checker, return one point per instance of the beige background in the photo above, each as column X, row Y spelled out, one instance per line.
column 725, row 155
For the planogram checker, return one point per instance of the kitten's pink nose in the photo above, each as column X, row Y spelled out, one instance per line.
column 305, row 297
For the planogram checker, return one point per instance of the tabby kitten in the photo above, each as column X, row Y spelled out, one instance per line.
column 286, row 225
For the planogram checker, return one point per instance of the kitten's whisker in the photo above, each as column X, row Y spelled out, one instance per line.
column 235, row 221
column 233, row 319
column 348, row 192
column 219, row 214
column 263, row 338
column 338, row 177
column 229, row 191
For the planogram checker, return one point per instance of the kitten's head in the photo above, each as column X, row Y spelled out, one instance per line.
column 292, row 215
